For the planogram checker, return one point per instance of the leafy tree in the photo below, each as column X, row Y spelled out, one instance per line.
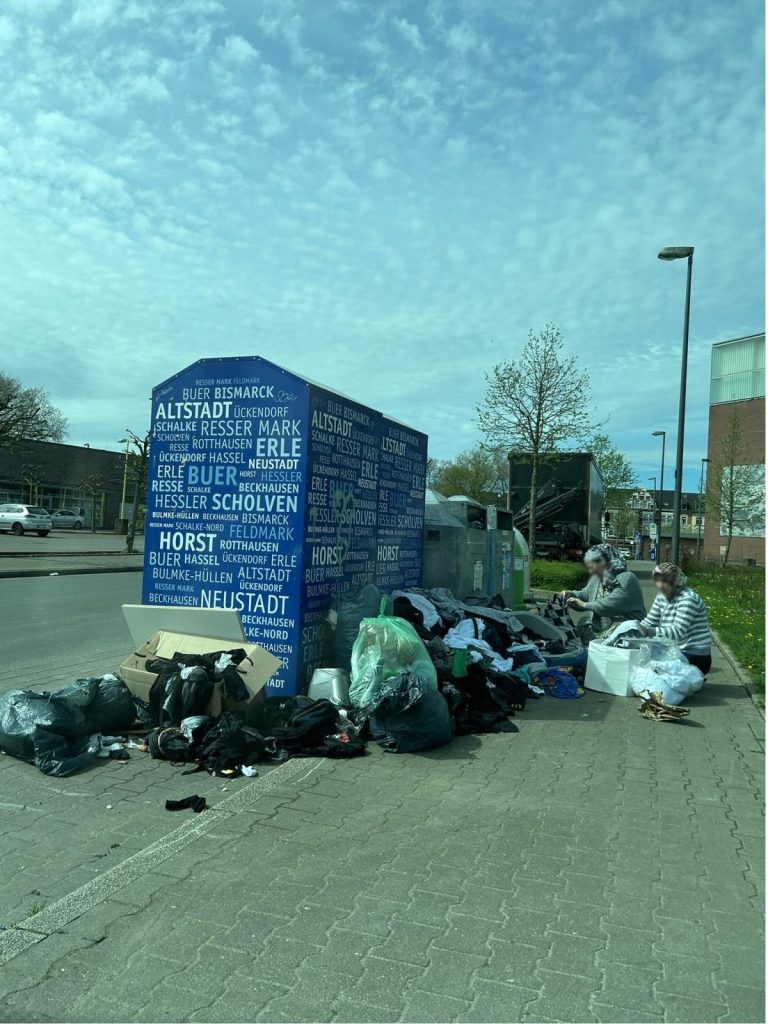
column 614, row 466
column 735, row 489
column 619, row 478
column 27, row 414
column 93, row 486
column 535, row 404
column 478, row 473
column 138, row 464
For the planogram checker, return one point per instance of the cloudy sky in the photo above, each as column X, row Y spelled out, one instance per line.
column 383, row 195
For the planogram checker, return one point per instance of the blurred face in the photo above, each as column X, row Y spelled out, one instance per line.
column 664, row 587
column 596, row 568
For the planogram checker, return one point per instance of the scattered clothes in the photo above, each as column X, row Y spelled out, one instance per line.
column 195, row 803
column 560, row 684
column 659, row 710
column 429, row 615
column 184, row 684
column 625, row 630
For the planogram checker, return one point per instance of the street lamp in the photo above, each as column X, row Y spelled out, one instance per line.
column 663, row 435
column 680, row 252
column 653, row 517
column 698, row 525
column 127, row 443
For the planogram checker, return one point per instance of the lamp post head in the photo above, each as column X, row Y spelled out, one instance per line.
column 676, row 252
column 123, row 440
column 659, row 433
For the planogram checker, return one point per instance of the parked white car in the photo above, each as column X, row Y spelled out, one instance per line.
column 66, row 519
column 21, row 519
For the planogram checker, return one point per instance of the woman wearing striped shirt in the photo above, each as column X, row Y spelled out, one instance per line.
column 679, row 614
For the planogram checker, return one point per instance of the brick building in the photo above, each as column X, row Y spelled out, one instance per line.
column 738, row 384
column 66, row 476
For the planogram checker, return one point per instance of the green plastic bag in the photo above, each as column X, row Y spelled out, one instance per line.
column 385, row 647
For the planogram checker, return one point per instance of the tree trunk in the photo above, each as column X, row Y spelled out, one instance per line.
column 131, row 534
column 532, row 505
column 727, row 551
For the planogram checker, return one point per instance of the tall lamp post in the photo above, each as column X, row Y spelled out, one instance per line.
column 698, row 525
column 680, row 252
column 653, row 517
column 663, row 435
column 127, row 443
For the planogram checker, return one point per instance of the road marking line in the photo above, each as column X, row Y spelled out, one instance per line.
column 68, row 908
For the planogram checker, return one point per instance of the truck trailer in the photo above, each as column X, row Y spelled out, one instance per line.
column 569, row 503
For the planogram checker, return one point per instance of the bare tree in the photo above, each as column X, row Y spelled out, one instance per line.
column 27, row 414
column 138, row 464
column 30, row 478
column 478, row 473
column 735, row 489
column 93, row 486
column 535, row 404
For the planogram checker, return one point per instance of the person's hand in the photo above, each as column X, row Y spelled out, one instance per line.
column 565, row 594
column 577, row 604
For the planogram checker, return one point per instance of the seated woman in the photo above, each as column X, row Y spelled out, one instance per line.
column 612, row 595
column 679, row 614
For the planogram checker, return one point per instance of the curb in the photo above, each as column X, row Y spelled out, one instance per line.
column 741, row 675
column 12, row 574
column 67, row 554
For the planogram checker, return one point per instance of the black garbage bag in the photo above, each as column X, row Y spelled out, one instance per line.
column 351, row 609
column 420, row 725
column 59, row 760
column 46, row 730
column 168, row 743
column 106, row 702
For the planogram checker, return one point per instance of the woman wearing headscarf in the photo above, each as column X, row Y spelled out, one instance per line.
column 680, row 614
column 612, row 593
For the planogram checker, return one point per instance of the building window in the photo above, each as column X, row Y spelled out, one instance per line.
column 738, row 370
column 684, row 520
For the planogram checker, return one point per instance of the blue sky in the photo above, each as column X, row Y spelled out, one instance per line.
column 384, row 196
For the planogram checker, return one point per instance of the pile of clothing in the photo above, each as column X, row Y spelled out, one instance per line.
column 278, row 729
column 429, row 666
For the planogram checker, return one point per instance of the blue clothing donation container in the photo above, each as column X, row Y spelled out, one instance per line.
column 271, row 495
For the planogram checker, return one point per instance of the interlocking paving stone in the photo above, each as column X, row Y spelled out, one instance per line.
column 605, row 868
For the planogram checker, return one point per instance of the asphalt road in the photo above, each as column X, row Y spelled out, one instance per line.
column 55, row 629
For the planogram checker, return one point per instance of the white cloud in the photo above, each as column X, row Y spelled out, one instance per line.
column 91, row 14
column 410, row 33
column 238, row 50
column 8, row 33
column 147, row 87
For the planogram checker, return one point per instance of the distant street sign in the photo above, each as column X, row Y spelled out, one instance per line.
column 653, row 531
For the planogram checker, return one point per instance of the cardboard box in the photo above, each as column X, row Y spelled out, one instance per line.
column 609, row 669
column 256, row 671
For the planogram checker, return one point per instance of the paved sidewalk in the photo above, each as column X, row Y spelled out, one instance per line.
column 594, row 867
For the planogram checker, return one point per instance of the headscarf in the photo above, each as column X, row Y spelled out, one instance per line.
column 614, row 563
column 671, row 574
